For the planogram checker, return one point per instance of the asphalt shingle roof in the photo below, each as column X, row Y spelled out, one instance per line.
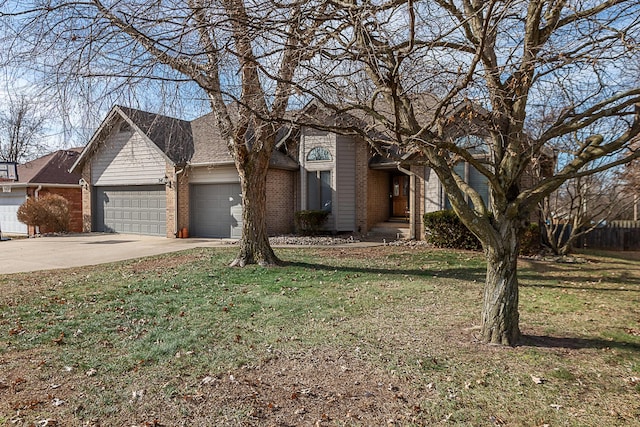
column 50, row 169
column 172, row 136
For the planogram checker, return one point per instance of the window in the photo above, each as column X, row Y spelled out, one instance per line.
column 9, row 171
column 319, row 190
column 318, row 154
column 477, row 146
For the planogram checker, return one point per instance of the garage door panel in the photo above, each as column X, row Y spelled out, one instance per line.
column 135, row 210
column 9, row 204
column 216, row 210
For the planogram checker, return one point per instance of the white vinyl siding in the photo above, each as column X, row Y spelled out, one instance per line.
column 213, row 174
column 475, row 179
column 433, row 194
column 127, row 158
column 9, row 204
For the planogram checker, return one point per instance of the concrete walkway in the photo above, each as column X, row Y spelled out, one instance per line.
column 76, row 250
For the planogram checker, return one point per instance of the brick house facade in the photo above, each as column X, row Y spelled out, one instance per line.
column 151, row 174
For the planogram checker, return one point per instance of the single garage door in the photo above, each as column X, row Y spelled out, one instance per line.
column 216, row 210
column 9, row 203
column 131, row 210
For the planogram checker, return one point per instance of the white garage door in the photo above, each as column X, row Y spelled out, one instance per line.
column 216, row 210
column 9, row 204
column 131, row 210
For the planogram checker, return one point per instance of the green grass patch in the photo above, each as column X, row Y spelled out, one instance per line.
column 358, row 337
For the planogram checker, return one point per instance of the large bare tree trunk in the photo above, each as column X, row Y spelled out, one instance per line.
column 500, row 314
column 254, row 243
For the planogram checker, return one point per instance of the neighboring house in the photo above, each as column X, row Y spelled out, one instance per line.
column 150, row 174
column 46, row 175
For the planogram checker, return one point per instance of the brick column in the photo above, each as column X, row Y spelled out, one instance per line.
column 87, row 200
column 419, row 202
column 183, row 199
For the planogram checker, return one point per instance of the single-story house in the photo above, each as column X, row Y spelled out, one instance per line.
column 152, row 174
column 48, row 174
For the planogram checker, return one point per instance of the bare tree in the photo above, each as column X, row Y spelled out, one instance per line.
column 242, row 55
column 630, row 177
column 21, row 130
column 495, row 84
column 579, row 206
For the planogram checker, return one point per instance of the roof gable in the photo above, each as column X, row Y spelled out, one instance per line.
column 198, row 142
column 211, row 148
column 172, row 137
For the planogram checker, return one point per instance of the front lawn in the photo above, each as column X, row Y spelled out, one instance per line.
column 362, row 337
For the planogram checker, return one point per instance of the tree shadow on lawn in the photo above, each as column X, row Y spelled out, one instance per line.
column 586, row 283
column 526, row 279
column 573, row 343
column 470, row 273
column 478, row 274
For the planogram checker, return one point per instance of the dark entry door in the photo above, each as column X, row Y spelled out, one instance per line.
column 400, row 196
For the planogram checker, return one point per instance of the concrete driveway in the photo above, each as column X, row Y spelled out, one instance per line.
column 46, row 253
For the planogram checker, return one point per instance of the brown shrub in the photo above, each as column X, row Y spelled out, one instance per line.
column 50, row 212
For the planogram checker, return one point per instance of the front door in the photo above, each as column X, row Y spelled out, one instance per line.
column 400, row 196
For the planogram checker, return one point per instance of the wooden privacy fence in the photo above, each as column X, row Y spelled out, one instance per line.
column 617, row 236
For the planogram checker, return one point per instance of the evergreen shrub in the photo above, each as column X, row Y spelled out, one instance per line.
column 444, row 229
column 310, row 221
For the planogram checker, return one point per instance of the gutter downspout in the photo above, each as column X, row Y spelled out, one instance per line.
column 36, row 195
column 412, row 201
column 176, row 208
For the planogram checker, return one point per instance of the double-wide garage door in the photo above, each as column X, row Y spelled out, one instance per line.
column 216, row 210
column 131, row 210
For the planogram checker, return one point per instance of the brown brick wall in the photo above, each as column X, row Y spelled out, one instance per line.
column 362, row 175
column 171, row 203
column 419, row 204
column 281, row 201
column 87, row 202
column 183, row 200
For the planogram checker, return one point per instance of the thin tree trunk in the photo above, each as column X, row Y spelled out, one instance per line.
column 254, row 243
column 500, row 314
